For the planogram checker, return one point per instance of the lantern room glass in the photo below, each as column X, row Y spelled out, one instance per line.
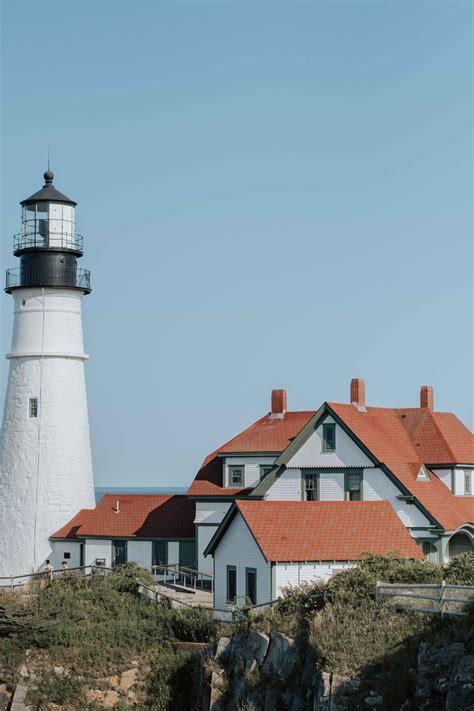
column 48, row 224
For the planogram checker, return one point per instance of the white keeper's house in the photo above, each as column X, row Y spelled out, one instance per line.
column 382, row 480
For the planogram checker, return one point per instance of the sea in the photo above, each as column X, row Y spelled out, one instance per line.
column 101, row 490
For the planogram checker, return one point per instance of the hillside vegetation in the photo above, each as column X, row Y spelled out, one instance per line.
column 75, row 640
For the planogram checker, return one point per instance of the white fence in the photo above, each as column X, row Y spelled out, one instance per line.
column 437, row 598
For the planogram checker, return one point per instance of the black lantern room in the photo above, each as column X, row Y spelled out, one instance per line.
column 48, row 244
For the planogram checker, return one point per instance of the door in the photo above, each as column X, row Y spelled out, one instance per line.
column 119, row 553
column 187, row 554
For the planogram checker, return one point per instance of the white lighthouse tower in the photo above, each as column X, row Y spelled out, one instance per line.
column 46, row 474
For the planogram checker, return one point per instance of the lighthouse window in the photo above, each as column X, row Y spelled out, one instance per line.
column 33, row 408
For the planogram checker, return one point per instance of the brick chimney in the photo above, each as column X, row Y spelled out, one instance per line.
column 358, row 393
column 426, row 397
column 279, row 403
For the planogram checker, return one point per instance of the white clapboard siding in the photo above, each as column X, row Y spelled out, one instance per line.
column 444, row 475
column 98, row 548
column 173, row 552
column 140, row 552
column 251, row 466
column 287, row 487
column 204, row 535
column 238, row 547
column 287, row 574
column 377, row 486
column 458, row 482
column 347, row 453
column 331, row 486
column 211, row 511
column 59, row 548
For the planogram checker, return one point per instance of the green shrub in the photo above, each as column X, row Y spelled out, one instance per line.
column 348, row 638
column 460, row 570
column 358, row 584
column 192, row 624
column 125, row 578
column 56, row 690
column 304, row 599
column 169, row 686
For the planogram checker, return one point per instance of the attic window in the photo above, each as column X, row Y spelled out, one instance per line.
column 236, row 476
column 329, row 437
column 423, row 474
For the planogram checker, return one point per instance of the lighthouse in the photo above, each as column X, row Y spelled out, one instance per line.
column 46, row 474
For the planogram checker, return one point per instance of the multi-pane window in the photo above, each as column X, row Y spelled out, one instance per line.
column 159, row 553
column 310, row 487
column 329, row 437
column 251, row 585
column 231, row 583
column 33, row 407
column 264, row 469
column 119, row 553
column 236, row 476
column 353, row 486
column 467, row 482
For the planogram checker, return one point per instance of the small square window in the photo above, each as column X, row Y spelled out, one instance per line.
column 67, row 556
column 33, row 407
column 236, row 476
column 329, row 437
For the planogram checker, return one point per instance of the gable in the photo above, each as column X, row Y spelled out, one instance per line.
column 346, row 454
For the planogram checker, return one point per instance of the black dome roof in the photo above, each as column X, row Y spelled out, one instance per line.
column 48, row 193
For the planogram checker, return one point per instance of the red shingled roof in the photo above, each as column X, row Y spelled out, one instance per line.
column 326, row 530
column 140, row 516
column 268, row 434
column 403, row 439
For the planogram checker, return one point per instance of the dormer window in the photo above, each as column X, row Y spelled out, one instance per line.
column 236, row 476
column 468, row 483
column 329, row 437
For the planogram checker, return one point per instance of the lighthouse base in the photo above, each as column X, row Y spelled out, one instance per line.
column 46, row 475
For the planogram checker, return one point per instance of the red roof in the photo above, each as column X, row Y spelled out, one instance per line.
column 404, row 439
column 140, row 516
column 327, row 530
column 267, row 435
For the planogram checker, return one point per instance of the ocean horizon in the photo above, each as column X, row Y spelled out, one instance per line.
column 101, row 490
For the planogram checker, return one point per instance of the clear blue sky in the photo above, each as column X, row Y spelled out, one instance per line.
column 271, row 194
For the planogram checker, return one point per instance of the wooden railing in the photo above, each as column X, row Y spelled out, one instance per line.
column 18, row 581
column 182, row 575
column 436, row 598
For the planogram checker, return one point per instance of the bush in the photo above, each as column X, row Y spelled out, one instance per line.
column 347, row 639
column 169, row 686
column 358, row 584
column 192, row 624
column 304, row 599
column 125, row 578
column 460, row 570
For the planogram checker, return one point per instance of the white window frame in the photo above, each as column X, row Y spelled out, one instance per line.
column 231, row 469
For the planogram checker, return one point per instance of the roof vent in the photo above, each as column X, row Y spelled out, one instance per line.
column 279, row 403
column 426, row 397
column 117, row 507
column 357, row 394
